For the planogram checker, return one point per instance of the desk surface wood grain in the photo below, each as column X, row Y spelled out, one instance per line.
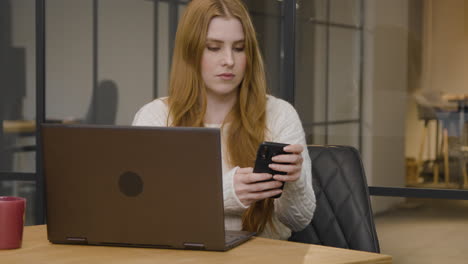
column 37, row 249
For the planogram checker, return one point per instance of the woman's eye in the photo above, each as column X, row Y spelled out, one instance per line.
column 239, row 49
column 212, row 48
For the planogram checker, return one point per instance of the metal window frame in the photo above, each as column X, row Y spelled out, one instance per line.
column 17, row 176
column 173, row 22
column 328, row 24
column 155, row 47
column 454, row 194
column 40, row 107
column 288, row 31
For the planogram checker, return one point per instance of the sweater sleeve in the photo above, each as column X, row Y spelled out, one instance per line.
column 154, row 113
column 232, row 204
column 296, row 206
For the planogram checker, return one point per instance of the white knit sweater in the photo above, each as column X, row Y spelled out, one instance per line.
column 295, row 208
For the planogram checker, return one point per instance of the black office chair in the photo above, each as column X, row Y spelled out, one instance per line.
column 343, row 216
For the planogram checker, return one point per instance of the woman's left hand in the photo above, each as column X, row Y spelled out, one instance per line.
column 294, row 167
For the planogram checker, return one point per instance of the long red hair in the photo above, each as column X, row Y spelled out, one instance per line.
column 187, row 92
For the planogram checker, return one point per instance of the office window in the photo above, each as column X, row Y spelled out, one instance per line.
column 329, row 70
column 18, row 102
column 268, row 20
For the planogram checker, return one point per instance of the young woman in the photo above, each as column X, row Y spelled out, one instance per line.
column 218, row 80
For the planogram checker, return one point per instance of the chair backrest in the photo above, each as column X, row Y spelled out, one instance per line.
column 343, row 216
column 104, row 102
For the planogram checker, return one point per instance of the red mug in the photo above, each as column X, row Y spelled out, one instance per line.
column 11, row 221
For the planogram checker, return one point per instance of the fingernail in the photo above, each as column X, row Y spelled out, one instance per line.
column 271, row 165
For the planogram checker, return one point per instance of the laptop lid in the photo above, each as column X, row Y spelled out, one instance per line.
column 134, row 186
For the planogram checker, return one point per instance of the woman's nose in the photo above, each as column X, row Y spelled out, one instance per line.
column 228, row 59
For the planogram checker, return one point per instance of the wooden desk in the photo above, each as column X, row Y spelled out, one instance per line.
column 455, row 97
column 29, row 126
column 462, row 101
column 19, row 126
column 37, row 249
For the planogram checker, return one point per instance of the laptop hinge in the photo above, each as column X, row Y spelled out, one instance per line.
column 80, row 240
column 194, row 245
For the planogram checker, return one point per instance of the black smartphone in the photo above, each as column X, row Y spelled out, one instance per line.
column 265, row 152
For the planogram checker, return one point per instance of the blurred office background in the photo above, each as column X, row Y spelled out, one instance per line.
column 367, row 73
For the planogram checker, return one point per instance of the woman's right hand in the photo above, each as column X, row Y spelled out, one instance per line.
column 249, row 186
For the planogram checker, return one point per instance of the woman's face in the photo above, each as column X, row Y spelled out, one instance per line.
column 223, row 60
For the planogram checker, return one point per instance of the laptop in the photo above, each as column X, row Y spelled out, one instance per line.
column 135, row 186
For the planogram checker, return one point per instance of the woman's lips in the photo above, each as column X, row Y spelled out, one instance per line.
column 226, row 76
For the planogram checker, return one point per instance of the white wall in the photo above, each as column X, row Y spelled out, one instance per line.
column 385, row 96
column 23, row 33
column 449, row 63
column 68, row 58
column 126, row 52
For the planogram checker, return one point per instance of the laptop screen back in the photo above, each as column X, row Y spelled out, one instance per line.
column 142, row 186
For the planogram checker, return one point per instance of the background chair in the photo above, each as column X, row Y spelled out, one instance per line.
column 432, row 107
column 343, row 216
column 103, row 106
column 447, row 110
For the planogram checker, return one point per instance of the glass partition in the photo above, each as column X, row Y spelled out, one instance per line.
column 18, row 102
column 267, row 19
column 329, row 70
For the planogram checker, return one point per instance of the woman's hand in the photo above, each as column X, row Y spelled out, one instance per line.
column 251, row 187
column 294, row 167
